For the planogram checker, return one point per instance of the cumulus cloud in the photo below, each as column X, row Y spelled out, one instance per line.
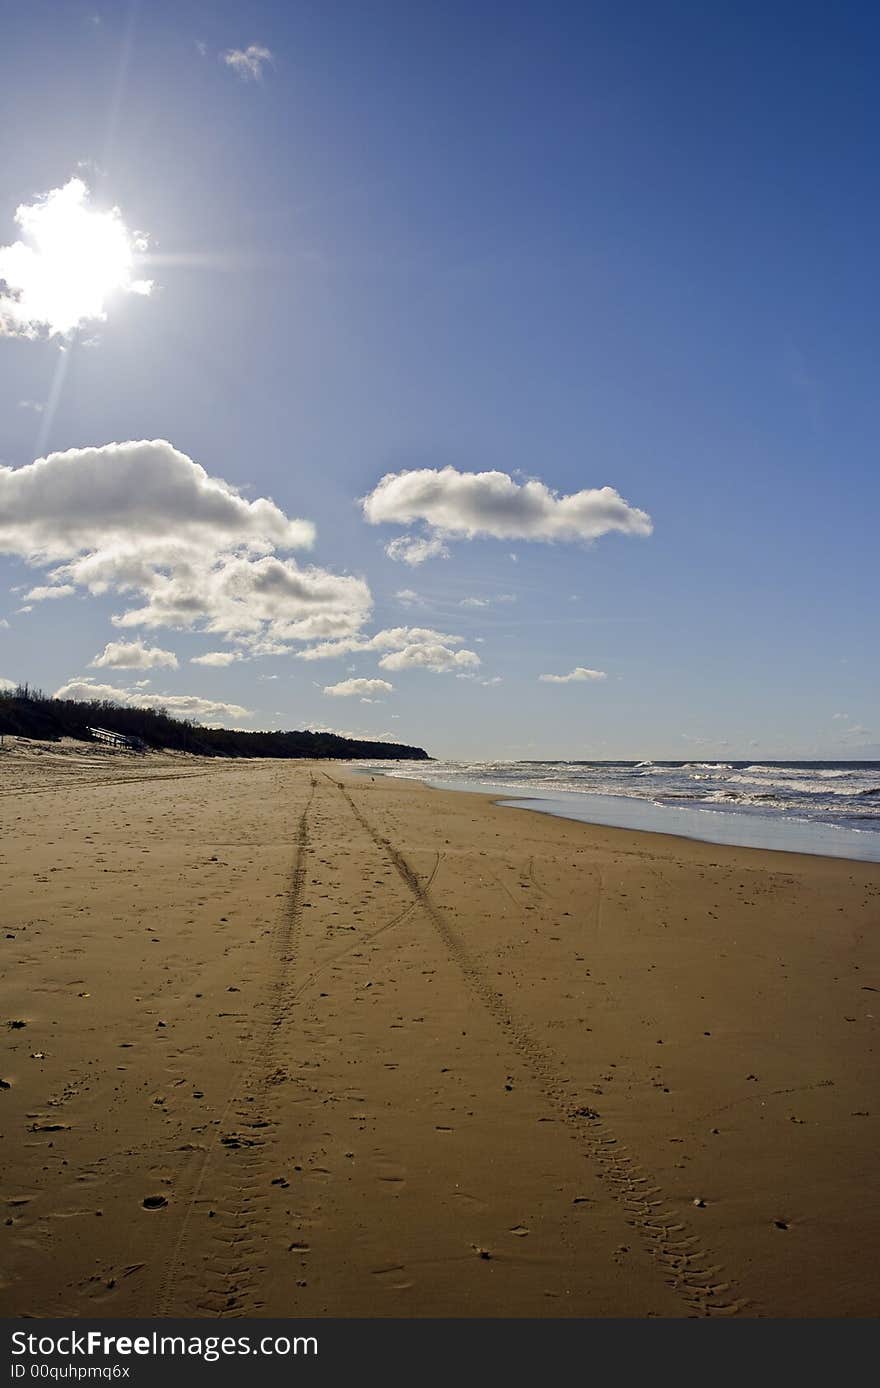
column 46, row 592
column 248, row 62
column 428, row 655
column 576, row 676
column 469, row 505
column 133, row 655
column 220, row 658
column 392, row 638
column 266, row 602
column 408, row 598
column 178, row 705
column 124, row 499
column 410, row 549
column 69, row 262
column 144, row 520
column 366, row 688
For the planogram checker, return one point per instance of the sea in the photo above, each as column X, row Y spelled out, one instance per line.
column 829, row 808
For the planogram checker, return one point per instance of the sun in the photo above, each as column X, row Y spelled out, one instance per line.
column 72, row 259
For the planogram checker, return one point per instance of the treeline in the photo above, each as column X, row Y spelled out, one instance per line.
column 29, row 713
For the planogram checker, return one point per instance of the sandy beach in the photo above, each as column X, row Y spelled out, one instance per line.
column 279, row 1039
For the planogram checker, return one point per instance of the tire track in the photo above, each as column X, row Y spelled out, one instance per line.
column 360, row 940
column 75, row 782
column 231, row 1275
column 686, row 1265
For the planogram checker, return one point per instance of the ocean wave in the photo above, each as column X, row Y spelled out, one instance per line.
column 816, row 792
column 706, row 766
column 802, row 785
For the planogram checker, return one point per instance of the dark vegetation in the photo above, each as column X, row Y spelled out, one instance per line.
column 28, row 713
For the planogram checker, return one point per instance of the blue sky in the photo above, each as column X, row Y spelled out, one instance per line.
column 592, row 245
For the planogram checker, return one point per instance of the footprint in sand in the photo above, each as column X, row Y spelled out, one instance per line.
column 395, row 1278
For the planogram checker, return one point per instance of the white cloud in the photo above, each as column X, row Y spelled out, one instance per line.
column 576, row 676
column 133, row 655
column 248, row 62
column 4, row 625
column 488, row 602
column 408, row 598
column 496, row 679
column 359, row 734
column 36, row 405
column 118, row 501
column 143, row 519
column 266, row 602
column 468, row 505
column 178, row 705
column 7, row 686
column 428, row 656
column 70, row 261
column 409, row 549
column 220, row 658
column 366, row 688
column 54, row 590
column 392, row 638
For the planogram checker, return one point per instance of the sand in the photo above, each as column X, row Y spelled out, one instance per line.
column 282, row 1040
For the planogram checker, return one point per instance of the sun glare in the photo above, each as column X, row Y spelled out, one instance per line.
column 70, row 262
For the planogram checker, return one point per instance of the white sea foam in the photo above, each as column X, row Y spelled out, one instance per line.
column 838, row 794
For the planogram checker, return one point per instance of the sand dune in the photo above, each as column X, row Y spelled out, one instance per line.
column 278, row 1039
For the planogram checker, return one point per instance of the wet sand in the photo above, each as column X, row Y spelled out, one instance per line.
column 282, row 1040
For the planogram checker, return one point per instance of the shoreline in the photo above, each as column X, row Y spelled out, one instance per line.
column 297, row 1043
column 735, row 827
